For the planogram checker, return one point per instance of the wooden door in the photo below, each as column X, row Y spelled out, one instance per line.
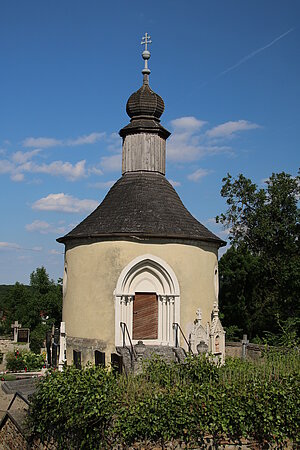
column 145, row 316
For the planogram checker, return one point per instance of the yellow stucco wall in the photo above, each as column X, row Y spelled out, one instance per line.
column 94, row 268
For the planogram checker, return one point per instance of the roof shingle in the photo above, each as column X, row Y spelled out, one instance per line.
column 142, row 204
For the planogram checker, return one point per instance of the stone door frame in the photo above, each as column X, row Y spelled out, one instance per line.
column 148, row 273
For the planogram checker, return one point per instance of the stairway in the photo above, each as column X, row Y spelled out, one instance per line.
column 132, row 361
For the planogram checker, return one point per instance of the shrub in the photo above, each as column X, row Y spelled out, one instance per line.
column 23, row 360
column 37, row 338
column 96, row 408
column 14, row 361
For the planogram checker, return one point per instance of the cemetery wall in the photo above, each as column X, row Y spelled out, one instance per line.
column 235, row 349
column 6, row 346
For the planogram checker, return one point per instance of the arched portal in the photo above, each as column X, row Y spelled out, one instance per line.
column 147, row 277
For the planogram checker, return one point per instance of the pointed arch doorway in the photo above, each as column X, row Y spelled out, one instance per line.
column 147, row 300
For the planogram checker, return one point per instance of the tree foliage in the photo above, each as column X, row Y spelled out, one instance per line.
column 259, row 274
column 29, row 304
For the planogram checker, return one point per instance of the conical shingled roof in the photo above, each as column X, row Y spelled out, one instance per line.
column 142, row 204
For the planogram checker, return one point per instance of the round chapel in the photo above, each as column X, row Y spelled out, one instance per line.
column 140, row 272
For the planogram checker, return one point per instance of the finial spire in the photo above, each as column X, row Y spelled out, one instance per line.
column 146, row 55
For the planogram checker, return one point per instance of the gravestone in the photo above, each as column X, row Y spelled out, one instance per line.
column 15, row 327
column 99, row 358
column 55, row 347
column 48, row 346
column 23, row 335
column 77, row 359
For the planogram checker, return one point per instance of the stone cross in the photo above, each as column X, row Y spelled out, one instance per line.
column 199, row 314
column 15, row 326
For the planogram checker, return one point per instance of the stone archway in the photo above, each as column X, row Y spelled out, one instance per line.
column 148, row 274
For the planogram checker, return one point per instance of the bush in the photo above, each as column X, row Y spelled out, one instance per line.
column 96, row 408
column 14, row 361
column 23, row 360
column 37, row 338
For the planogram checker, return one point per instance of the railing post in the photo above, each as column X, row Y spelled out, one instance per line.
column 190, row 345
column 175, row 328
column 125, row 329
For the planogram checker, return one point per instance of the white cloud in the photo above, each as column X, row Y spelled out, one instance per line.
column 95, row 170
column 103, row 184
column 22, row 163
column 111, row 163
column 46, row 142
column 9, row 245
column 86, row 139
column 114, row 142
column 187, row 123
column 41, row 142
column 14, row 246
column 189, row 147
column 70, row 171
column 189, row 142
column 198, row 174
column 228, row 129
column 56, row 168
column 17, row 177
column 64, row 202
column 5, row 166
column 55, row 252
column 174, row 183
column 43, row 227
column 22, row 157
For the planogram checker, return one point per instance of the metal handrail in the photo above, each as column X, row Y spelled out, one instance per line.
column 176, row 326
column 124, row 329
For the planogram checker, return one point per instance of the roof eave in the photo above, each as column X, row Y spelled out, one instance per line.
column 216, row 240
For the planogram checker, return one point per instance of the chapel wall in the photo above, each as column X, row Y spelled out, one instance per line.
column 93, row 270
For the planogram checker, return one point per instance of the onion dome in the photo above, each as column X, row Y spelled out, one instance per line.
column 145, row 107
column 145, row 102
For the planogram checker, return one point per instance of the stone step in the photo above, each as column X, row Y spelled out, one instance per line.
column 132, row 362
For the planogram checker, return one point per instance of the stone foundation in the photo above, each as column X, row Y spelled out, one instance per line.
column 86, row 347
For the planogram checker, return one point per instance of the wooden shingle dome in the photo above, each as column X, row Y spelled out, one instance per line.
column 145, row 102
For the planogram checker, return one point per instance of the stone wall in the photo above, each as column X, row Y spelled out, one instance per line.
column 6, row 346
column 11, row 438
column 235, row 349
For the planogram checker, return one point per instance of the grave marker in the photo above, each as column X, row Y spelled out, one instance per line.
column 15, row 327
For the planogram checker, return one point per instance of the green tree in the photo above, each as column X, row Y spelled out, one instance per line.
column 48, row 295
column 259, row 274
column 26, row 303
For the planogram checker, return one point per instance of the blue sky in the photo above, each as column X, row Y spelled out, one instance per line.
column 228, row 72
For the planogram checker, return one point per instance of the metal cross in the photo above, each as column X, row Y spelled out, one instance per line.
column 146, row 40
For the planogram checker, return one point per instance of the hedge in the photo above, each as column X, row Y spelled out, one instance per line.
column 95, row 408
